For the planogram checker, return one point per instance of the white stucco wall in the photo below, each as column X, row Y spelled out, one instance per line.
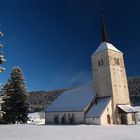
column 107, row 111
column 95, row 121
column 78, row 117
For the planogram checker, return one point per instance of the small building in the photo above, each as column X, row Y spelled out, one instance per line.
column 106, row 101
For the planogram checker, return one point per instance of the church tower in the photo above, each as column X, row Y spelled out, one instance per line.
column 109, row 74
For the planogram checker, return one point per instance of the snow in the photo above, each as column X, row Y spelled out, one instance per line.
column 98, row 107
column 105, row 46
column 127, row 108
column 36, row 118
column 73, row 100
column 137, row 114
column 36, row 122
column 69, row 132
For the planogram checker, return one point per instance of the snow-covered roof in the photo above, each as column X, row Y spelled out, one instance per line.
column 105, row 46
column 127, row 108
column 75, row 99
column 98, row 107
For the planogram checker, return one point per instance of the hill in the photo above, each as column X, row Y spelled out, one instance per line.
column 39, row 100
column 134, row 86
column 134, row 90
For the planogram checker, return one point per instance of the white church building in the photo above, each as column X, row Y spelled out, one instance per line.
column 106, row 101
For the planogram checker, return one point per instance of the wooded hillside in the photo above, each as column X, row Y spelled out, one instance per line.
column 39, row 100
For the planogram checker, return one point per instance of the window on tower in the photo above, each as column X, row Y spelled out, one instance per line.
column 116, row 60
column 118, row 63
column 100, row 62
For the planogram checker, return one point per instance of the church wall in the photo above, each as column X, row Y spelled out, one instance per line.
column 78, row 117
column 118, row 79
column 129, row 119
column 49, row 118
column 120, row 93
column 101, row 74
column 107, row 111
column 95, row 121
column 103, row 119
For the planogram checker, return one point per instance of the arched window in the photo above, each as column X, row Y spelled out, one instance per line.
column 108, row 119
column 99, row 63
column 118, row 63
column 71, row 118
column 116, row 60
column 56, row 119
column 63, row 120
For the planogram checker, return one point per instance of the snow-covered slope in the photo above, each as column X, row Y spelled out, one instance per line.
column 98, row 107
column 74, row 99
column 76, row 132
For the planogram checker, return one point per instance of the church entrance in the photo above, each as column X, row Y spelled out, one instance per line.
column 126, row 113
column 108, row 119
column 123, row 119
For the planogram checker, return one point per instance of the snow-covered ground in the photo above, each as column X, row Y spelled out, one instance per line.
column 138, row 114
column 36, row 118
column 76, row 132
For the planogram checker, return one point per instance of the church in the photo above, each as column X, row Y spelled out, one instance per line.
column 106, row 101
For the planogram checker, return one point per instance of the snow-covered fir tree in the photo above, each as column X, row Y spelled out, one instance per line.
column 15, row 106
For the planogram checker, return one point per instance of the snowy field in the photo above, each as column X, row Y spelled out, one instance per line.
column 77, row 132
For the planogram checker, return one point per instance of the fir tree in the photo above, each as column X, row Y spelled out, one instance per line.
column 15, row 106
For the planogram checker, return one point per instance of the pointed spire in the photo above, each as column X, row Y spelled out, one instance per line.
column 104, row 30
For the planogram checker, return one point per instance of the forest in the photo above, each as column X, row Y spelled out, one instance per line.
column 39, row 100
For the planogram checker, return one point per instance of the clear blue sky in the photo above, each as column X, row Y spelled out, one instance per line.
column 52, row 40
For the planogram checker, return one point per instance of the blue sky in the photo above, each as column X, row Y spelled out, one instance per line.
column 52, row 40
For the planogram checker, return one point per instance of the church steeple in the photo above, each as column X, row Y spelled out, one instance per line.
column 105, row 44
column 104, row 30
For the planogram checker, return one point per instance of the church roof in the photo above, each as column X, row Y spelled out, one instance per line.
column 75, row 99
column 105, row 46
column 98, row 107
column 127, row 108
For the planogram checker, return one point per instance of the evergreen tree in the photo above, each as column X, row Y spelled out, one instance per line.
column 15, row 106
